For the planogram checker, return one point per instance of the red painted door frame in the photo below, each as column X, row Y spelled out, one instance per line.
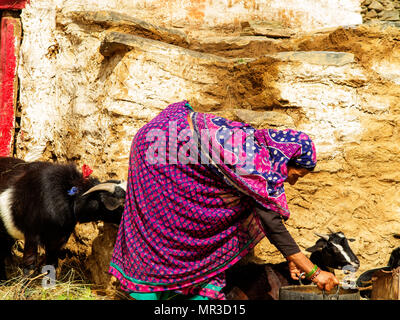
column 10, row 35
column 12, row 4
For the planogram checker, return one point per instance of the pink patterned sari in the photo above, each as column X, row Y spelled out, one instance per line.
column 177, row 233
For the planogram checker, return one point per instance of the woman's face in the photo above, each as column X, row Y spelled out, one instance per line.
column 295, row 173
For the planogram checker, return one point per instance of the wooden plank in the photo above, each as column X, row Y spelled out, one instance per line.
column 13, row 4
column 10, row 32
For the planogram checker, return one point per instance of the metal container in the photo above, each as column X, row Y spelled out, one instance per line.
column 312, row 292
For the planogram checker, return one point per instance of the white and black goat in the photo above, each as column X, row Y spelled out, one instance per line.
column 41, row 202
column 332, row 251
column 262, row 281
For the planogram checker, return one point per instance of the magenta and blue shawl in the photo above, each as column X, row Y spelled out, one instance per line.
column 177, row 233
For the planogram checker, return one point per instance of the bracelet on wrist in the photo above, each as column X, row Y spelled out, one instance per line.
column 315, row 274
column 313, row 270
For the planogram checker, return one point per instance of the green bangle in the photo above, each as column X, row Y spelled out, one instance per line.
column 313, row 270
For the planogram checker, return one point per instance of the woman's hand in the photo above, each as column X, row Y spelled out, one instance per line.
column 298, row 261
column 326, row 281
column 294, row 271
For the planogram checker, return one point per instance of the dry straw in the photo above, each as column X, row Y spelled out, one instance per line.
column 71, row 284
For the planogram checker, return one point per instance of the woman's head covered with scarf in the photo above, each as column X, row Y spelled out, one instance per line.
column 260, row 158
column 288, row 148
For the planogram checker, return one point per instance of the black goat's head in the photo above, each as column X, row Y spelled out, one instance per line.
column 103, row 202
column 394, row 259
column 333, row 251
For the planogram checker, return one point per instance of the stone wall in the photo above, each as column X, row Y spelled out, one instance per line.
column 91, row 76
column 384, row 10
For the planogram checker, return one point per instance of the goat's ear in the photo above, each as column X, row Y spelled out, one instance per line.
column 318, row 246
column 351, row 239
column 110, row 202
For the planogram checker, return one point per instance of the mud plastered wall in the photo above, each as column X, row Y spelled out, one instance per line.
column 92, row 74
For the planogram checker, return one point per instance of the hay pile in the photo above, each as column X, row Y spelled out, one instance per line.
column 71, row 284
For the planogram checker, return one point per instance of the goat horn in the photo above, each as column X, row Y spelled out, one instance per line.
column 107, row 186
column 123, row 185
column 323, row 236
column 330, row 230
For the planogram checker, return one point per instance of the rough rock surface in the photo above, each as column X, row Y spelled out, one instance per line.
column 381, row 10
column 92, row 77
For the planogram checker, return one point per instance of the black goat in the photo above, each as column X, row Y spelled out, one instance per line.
column 262, row 281
column 394, row 259
column 257, row 281
column 365, row 279
column 41, row 202
column 332, row 251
